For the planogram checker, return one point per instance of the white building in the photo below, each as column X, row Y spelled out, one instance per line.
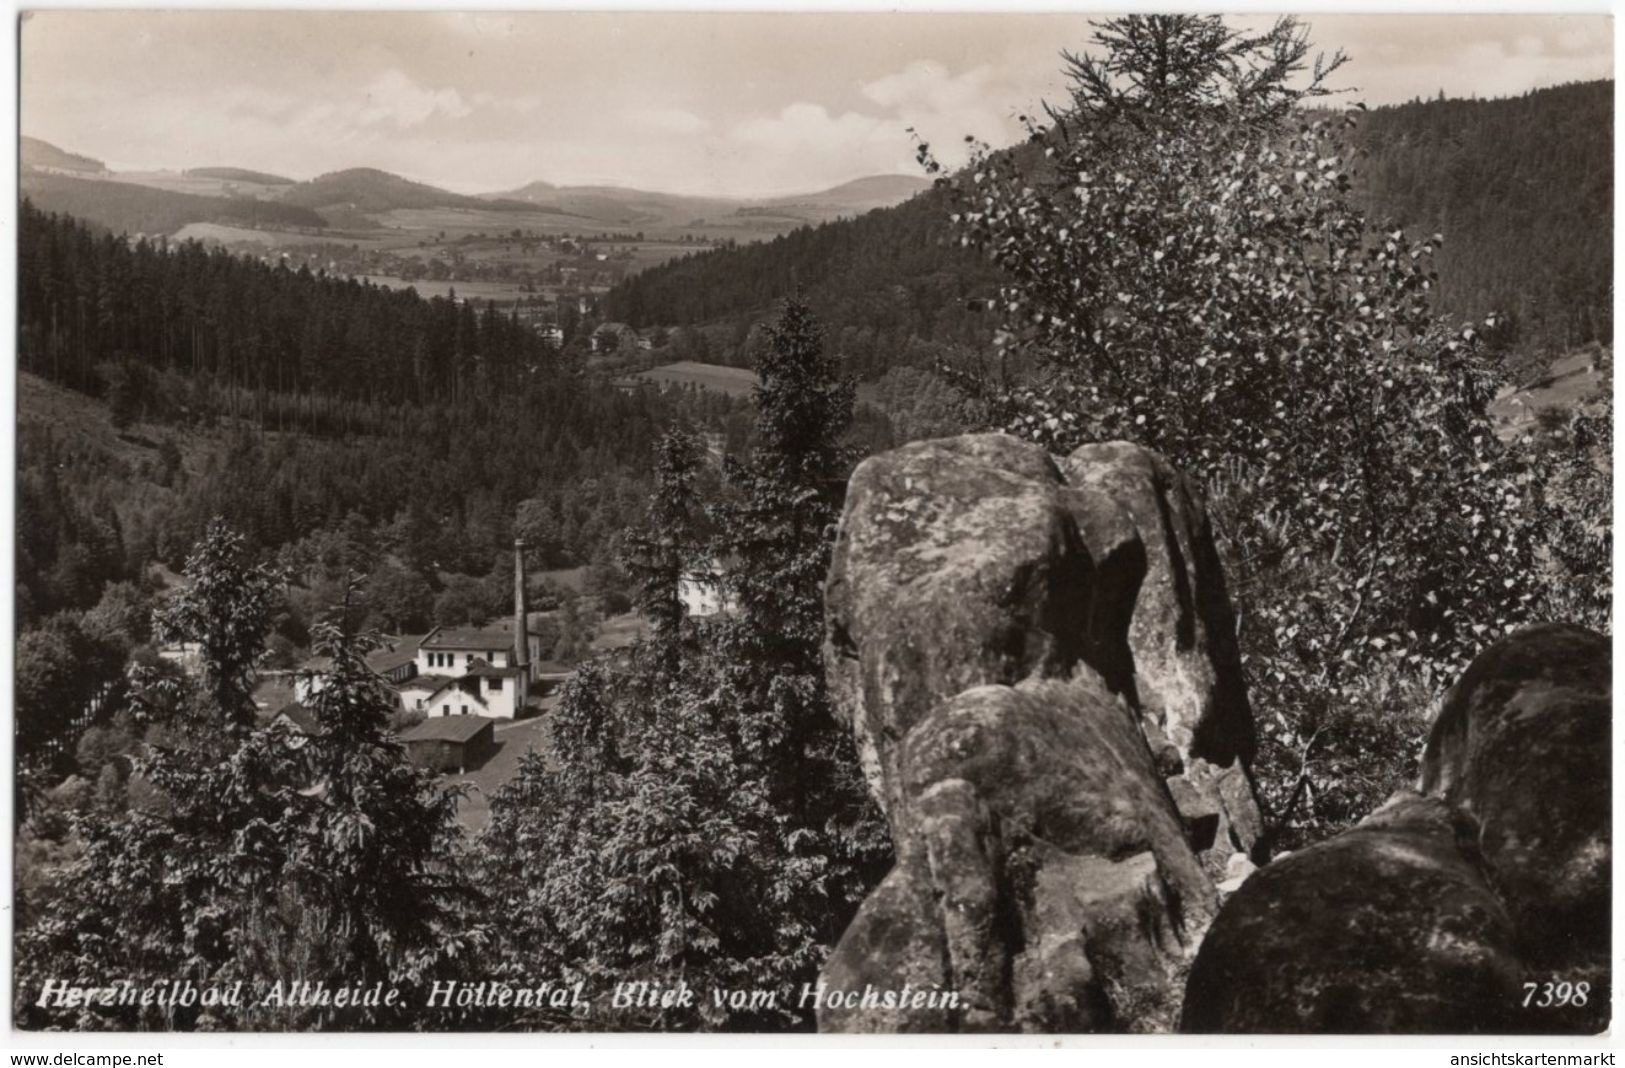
column 446, row 651
column 482, row 690
column 703, row 591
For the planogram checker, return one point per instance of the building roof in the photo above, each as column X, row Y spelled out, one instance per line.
column 468, row 638
column 425, row 681
column 298, row 715
column 468, row 684
column 447, row 729
column 383, row 661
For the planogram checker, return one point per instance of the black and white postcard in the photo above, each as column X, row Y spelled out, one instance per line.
column 862, row 523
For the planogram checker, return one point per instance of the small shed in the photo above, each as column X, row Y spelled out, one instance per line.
column 451, row 743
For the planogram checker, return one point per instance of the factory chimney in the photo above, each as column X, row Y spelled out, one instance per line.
column 521, row 627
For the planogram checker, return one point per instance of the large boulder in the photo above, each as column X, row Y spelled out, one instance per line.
column 1480, row 905
column 1523, row 743
column 1389, row 928
column 1043, row 875
column 1037, row 659
column 956, row 566
column 982, row 560
column 1180, row 631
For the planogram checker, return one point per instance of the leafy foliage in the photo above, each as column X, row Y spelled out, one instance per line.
column 224, row 608
column 261, row 856
column 1188, row 269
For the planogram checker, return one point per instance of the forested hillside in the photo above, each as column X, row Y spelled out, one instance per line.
column 1518, row 188
column 336, row 425
column 883, row 281
column 1522, row 190
column 138, row 209
column 90, row 299
column 36, row 153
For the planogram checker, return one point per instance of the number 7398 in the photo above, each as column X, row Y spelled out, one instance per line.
column 1555, row 994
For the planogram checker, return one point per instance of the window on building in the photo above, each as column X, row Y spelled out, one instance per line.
column 465, row 710
column 493, row 685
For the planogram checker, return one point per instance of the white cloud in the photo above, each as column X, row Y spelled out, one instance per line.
column 803, row 126
column 929, row 87
column 944, row 108
column 393, row 97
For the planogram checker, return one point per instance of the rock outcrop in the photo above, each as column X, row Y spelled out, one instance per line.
column 981, row 559
column 1037, row 658
column 1438, row 911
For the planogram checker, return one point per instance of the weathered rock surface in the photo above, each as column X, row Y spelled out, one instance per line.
column 1434, row 913
column 1043, row 872
column 1038, row 661
column 980, row 559
column 1523, row 743
column 1037, row 658
column 1388, row 928
column 1186, row 679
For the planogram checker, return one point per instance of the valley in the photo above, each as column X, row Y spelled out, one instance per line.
column 538, row 242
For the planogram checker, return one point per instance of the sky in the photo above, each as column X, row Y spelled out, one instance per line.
column 714, row 103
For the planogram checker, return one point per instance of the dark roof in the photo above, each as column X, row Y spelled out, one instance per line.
column 447, row 729
column 468, row 684
column 383, row 661
column 433, row 682
column 469, row 638
column 300, row 716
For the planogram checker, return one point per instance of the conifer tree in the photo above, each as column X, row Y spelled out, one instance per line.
column 667, row 546
column 708, row 823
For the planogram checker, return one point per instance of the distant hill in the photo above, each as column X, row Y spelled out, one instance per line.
column 1521, row 188
column 859, row 195
column 124, row 207
column 365, row 189
column 238, row 174
column 42, row 155
column 619, row 206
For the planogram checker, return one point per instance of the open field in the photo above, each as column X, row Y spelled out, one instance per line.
column 571, row 578
column 1573, row 381
column 501, row 292
column 176, row 182
column 733, row 381
column 617, row 632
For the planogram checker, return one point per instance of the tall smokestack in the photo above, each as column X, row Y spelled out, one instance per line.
column 521, row 627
